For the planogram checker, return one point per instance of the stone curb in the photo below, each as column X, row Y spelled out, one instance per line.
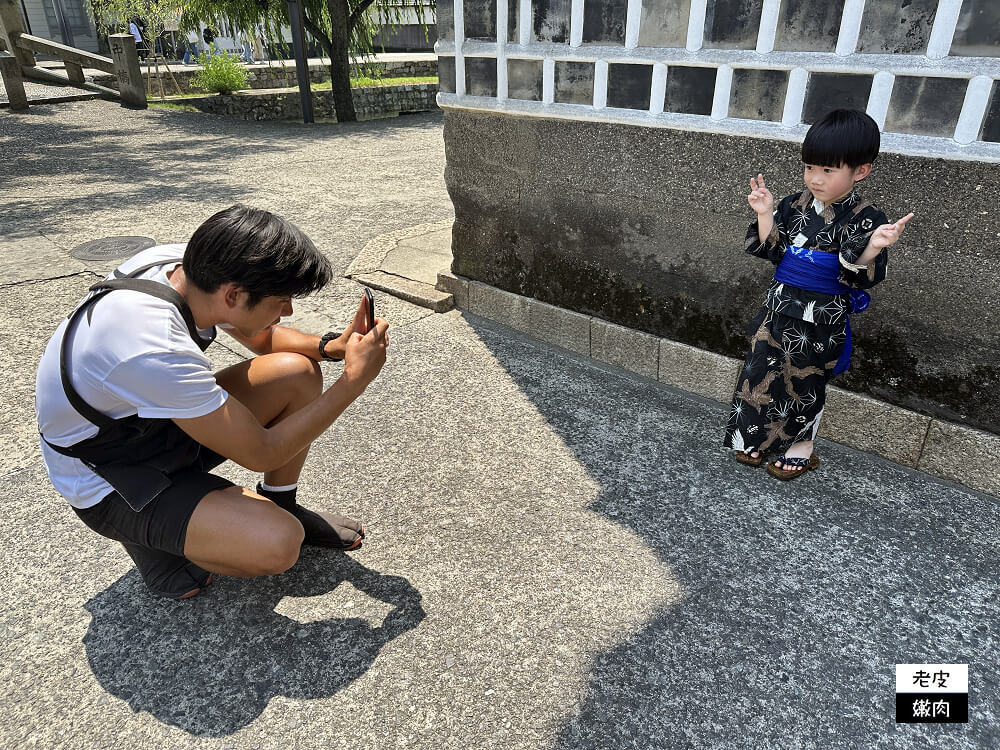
column 412, row 291
column 374, row 253
column 370, row 102
column 942, row 449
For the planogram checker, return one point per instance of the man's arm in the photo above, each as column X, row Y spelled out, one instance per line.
column 282, row 339
column 234, row 432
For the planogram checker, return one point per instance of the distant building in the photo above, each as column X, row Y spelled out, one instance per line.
column 68, row 22
column 64, row 21
column 409, row 35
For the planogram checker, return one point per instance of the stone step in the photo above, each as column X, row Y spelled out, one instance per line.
column 412, row 291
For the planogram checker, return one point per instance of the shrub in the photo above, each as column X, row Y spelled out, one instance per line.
column 221, row 72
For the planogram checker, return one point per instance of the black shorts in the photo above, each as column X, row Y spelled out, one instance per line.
column 161, row 525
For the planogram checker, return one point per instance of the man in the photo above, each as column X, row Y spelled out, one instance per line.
column 209, row 36
column 132, row 418
column 137, row 28
column 191, row 50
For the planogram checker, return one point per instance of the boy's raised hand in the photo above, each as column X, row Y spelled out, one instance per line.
column 887, row 234
column 760, row 197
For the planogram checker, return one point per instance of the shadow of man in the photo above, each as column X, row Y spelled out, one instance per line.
column 211, row 665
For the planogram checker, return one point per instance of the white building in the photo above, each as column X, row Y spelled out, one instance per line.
column 68, row 22
column 64, row 21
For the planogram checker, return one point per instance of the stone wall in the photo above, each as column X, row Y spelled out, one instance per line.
column 599, row 155
column 273, row 76
column 370, row 102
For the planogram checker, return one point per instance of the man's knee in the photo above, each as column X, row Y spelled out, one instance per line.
column 299, row 372
column 279, row 551
column 248, row 536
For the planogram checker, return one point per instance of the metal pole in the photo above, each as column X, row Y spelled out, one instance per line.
column 301, row 64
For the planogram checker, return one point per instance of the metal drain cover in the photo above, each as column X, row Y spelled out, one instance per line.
column 111, row 247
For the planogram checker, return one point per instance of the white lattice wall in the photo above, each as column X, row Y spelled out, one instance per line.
column 941, row 98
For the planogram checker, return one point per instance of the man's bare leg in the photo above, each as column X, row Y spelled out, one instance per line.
column 236, row 532
column 272, row 386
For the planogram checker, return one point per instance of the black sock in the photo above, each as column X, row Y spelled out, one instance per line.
column 282, row 498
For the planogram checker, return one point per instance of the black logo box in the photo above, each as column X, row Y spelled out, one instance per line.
column 908, row 705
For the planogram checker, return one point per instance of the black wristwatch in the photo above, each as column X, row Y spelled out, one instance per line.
column 326, row 339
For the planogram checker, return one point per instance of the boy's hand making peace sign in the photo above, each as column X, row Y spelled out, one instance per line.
column 760, row 197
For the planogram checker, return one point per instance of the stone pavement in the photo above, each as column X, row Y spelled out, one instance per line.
column 559, row 555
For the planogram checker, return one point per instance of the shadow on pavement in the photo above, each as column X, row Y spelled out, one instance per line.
column 799, row 597
column 190, row 157
column 211, row 664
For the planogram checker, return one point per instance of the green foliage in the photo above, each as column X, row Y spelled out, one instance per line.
column 271, row 16
column 221, row 73
column 172, row 106
column 362, row 81
column 341, row 28
column 111, row 16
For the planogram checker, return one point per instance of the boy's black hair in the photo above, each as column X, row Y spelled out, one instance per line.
column 264, row 254
column 843, row 137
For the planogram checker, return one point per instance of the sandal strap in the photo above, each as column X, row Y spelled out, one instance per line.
column 796, row 461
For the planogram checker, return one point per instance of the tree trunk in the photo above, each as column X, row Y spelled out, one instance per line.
column 340, row 60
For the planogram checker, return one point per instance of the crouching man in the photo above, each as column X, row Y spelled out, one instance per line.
column 132, row 418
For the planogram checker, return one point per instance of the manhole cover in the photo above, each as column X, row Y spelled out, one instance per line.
column 111, row 247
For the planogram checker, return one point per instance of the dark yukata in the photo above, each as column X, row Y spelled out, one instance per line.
column 799, row 335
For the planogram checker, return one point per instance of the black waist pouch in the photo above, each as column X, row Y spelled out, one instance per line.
column 136, row 456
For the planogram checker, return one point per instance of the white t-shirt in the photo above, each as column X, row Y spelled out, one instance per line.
column 134, row 356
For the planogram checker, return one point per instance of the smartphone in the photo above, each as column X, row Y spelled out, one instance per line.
column 371, row 308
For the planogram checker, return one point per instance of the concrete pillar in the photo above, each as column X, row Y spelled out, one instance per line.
column 10, row 71
column 127, row 71
column 11, row 26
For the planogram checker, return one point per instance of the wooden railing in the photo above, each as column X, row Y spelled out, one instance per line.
column 17, row 61
column 75, row 59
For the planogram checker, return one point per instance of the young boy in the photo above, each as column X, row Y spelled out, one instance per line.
column 828, row 245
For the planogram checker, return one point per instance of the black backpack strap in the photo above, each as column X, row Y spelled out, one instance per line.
column 119, row 275
column 100, row 289
column 85, row 410
column 164, row 292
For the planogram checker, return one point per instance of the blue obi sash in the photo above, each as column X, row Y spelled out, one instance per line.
column 816, row 271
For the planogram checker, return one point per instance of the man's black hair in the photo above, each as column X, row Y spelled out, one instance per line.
column 264, row 254
column 844, row 137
